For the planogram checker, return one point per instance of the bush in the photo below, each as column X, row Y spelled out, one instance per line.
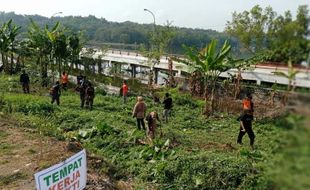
column 27, row 104
column 101, row 91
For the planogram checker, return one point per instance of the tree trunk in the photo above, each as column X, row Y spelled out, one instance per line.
column 59, row 66
column 6, row 68
column 151, row 77
column 7, row 63
column 3, row 62
column 238, row 85
column 212, row 98
column 12, row 64
column 52, row 66
column 44, row 73
column 207, row 106
column 99, row 66
column 17, row 66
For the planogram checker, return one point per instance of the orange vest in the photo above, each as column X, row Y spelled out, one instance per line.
column 247, row 104
column 64, row 79
column 125, row 89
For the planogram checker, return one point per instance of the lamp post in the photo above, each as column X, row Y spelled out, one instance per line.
column 154, row 23
column 56, row 14
column 153, row 71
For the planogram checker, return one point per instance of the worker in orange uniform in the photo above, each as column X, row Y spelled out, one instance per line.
column 248, row 104
column 124, row 91
column 64, row 80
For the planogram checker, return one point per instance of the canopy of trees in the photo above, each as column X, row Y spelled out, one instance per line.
column 122, row 35
column 277, row 37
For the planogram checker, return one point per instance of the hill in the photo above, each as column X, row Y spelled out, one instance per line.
column 128, row 35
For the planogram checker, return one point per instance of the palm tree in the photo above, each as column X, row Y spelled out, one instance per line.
column 210, row 63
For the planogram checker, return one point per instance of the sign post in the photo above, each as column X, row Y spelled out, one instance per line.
column 68, row 175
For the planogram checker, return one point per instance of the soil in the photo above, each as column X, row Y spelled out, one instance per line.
column 24, row 152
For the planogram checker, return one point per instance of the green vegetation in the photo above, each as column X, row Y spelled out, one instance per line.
column 209, row 64
column 127, row 35
column 191, row 153
column 277, row 38
column 5, row 180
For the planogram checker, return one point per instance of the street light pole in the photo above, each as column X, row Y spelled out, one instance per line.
column 153, row 71
column 154, row 23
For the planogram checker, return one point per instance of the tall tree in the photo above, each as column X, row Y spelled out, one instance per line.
column 276, row 38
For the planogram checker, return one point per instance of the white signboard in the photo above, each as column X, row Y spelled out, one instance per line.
column 67, row 175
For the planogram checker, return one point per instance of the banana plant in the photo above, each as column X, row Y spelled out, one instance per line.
column 210, row 62
column 42, row 44
column 8, row 33
column 4, row 47
column 13, row 31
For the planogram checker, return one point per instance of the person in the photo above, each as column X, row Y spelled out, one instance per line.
column 64, row 80
column 79, row 79
column 55, row 93
column 248, row 103
column 139, row 112
column 246, row 127
column 82, row 90
column 124, row 91
column 24, row 80
column 167, row 106
column 152, row 119
column 90, row 95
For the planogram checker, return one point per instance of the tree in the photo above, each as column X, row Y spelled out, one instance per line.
column 42, row 44
column 276, row 38
column 210, row 62
column 61, row 52
column 250, row 26
column 8, row 33
column 160, row 39
column 75, row 48
column 4, row 47
column 13, row 31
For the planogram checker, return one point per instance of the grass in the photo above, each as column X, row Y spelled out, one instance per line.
column 8, row 179
column 3, row 134
column 193, row 152
column 6, row 148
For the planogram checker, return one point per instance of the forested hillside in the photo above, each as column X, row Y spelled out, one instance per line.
column 120, row 35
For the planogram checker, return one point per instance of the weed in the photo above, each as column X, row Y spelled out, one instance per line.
column 8, row 179
column 188, row 155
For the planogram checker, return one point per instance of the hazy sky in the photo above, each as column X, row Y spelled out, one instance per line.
column 207, row 14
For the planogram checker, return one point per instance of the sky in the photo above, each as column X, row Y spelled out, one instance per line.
column 205, row 14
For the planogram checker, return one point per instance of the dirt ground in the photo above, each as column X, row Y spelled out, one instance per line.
column 23, row 152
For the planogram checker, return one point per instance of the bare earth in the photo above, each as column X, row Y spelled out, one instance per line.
column 23, row 152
